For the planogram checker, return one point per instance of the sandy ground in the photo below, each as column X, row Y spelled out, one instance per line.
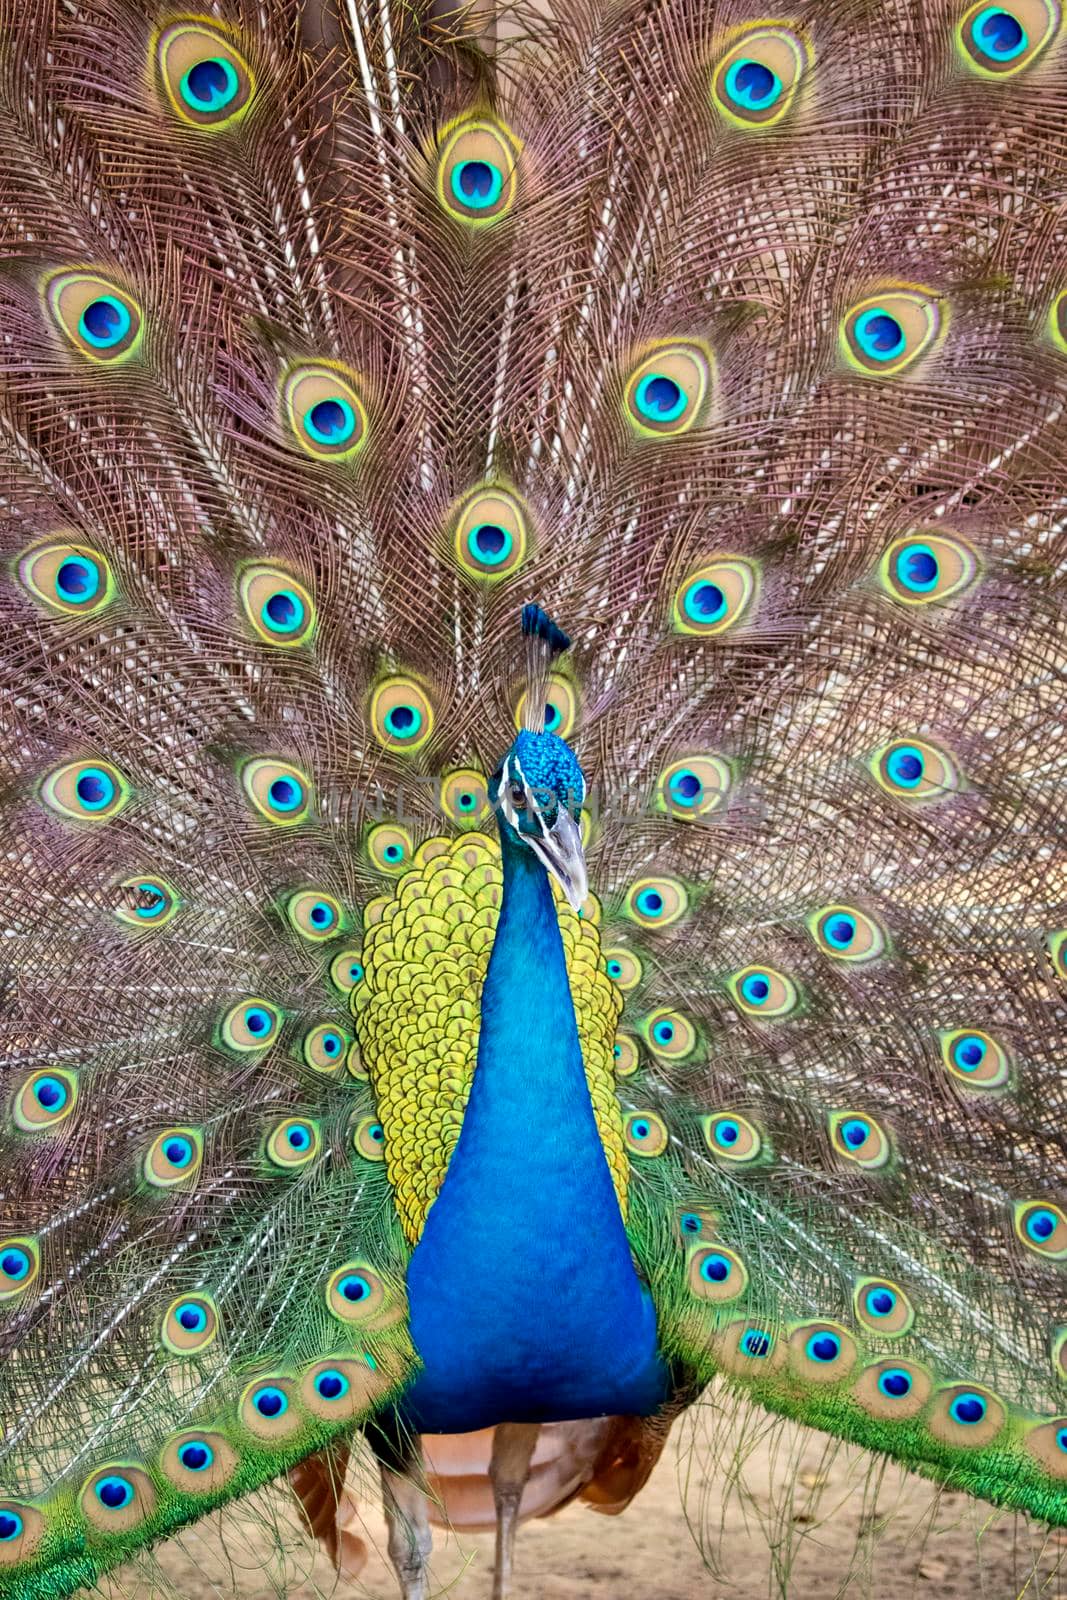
column 795, row 1524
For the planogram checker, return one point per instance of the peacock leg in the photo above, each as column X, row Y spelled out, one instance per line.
column 513, row 1447
column 410, row 1539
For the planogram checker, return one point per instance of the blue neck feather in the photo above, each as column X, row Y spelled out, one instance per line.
column 524, row 1302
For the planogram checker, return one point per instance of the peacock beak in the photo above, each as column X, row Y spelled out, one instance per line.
column 559, row 849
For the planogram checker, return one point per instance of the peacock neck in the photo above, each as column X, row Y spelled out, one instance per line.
column 525, row 1304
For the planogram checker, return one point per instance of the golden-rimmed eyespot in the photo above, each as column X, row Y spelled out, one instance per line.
column 716, row 1273
column 561, row 706
column 491, row 533
column 762, row 991
column 22, row 1527
column 625, row 1055
column 847, row 933
column 1057, row 948
column 198, row 1462
column 927, row 568
column 325, row 412
column 279, row 608
column 190, row 1324
column 117, row 1498
column 173, row 1158
column 999, row 41
column 893, row 1390
column 623, row 967
column 401, row 715
column 694, row 786
column 975, row 1058
column 887, row 332
column 45, row 1099
column 346, row 970
column 251, row 1024
column 293, row 1143
column 731, row 1137
column 914, row 770
column 656, row 902
column 325, row 1047
column 822, row 1352
column 355, row 1293
column 146, row 902
column 278, row 790
column 20, row 1263
column 368, row 1138
column 314, row 914
column 716, row 597
column 69, row 577
column 645, row 1134
column 390, row 847
column 269, row 1408
column 477, row 170
column 206, row 80
column 86, row 791
column 465, row 797
column 755, row 83
column 882, row 1307
column 1042, row 1227
column 666, row 389
column 966, row 1416
column 98, row 317
column 857, row 1138
column 669, row 1035
column 1047, row 1444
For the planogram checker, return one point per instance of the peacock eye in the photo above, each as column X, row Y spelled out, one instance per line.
column 100, row 319
column 887, row 332
column 477, row 176
column 665, row 392
column 755, row 83
column 923, row 570
column 205, row 78
column 325, row 411
column 70, row 578
column 999, row 41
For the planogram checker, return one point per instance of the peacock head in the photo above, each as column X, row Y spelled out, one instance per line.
column 538, row 788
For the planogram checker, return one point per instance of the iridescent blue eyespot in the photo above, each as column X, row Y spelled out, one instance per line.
column 715, row 1268
column 196, row 1455
column 331, row 1384
column 968, row 1409
column 704, row 602
column 685, row 788
column 879, row 335
column 490, row 544
column 756, row 1343
column 663, row 1032
column 15, row 1263
column 270, row 1402
column 332, row 421
column 755, row 988
column 968, row 1053
column 286, row 794
column 114, row 1492
column 95, row 789
column 77, row 580
column 51, row 1094
column 192, row 1317
column 726, row 1133
column 855, row 1132
column 840, row 930
column 894, row 1383
column 403, row 722
column 105, row 322
column 659, row 399
column 823, row 1347
column 1061, row 1439
column 477, row 184
column 210, row 85
column 299, row 1136
column 999, row 35
column 649, row 902
column 179, row 1151
column 283, row 612
column 879, row 1302
column 11, row 1525
column 1041, row 1225
column 906, row 766
column 689, row 1222
column 354, row 1288
column 752, row 85
column 916, row 568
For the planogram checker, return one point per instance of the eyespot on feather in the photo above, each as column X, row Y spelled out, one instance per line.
column 205, row 80
column 86, row 791
column 858, row 1139
column 190, row 1324
column 887, row 332
column 622, row 966
column 561, row 706
column 716, row 597
column 626, row 1056
column 847, row 934
column 293, row 1143
column 346, row 970
column 669, row 1035
column 368, row 1139
column 147, row 903
column 928, row 568
column 645, row 1134
column 326, row 415
column 1042, row 1227
column 20, row 1265
column 1057, row 949
column 477, row 172
column 1000, row 41
column 98, row 318
column 117, row 1498
column 893, row 1390
column 1047, row 1445
column 401, row 715
column 173, row 1158
column 22, row 1528
column 279, row 608
column 716, row 1273
column 975, row 1058
column 198, row 1462
column 390, row 848
column 666, row 390
column 338, row 1388
column 45, row 1100
column 762, row 991
column 965, row 1416
column 251, row 1024
column 821, row 1352
column 279, row 791
column 269, row 1409
column 915, row 771
column 314, row 914
column 731, row 1137
column 749, row 1349
column 656, row 902
column 882, row 1307
column 490, row 538
column 69, row 577
column 325, row 1047
column 694, row 786
column 755, row 84
column 465, row 798
column 355, row 1293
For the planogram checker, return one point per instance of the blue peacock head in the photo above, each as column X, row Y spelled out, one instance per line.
column 538, row 788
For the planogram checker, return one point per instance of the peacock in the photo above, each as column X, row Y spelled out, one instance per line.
column 533, row 753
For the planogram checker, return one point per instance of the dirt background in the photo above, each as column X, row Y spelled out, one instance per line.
column 776, row 1515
